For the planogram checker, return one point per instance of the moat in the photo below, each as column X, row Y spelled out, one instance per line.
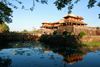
column 38, row 54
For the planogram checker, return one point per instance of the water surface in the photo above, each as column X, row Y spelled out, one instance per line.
column 37, row 54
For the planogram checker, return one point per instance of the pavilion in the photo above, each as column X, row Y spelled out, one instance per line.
column 69, row 20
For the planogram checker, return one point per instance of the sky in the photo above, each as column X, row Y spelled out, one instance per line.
column 26, row 19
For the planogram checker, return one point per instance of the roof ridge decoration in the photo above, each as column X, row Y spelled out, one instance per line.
column 72, row 15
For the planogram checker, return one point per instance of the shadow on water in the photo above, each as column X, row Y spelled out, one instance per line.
column 61, row 40
column 4, row 45
column 5, row 62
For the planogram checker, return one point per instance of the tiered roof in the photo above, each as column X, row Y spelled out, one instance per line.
column 68, row 21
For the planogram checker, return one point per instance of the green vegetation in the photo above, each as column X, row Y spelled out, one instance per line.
column 6, row 12
column 24, row 31
column 72, row 33
column 82, row 33
column 88, row 44
column 55, row 32
column 14, row 32
column 97, row 27
column 4, row 28
column 65, row 41
column 65, row 33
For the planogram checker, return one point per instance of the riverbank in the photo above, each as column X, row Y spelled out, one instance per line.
column 8, row 37
column 71, row 40
column 61, row 40
column 88, row 44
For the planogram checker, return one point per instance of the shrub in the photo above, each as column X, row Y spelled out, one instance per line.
column 82, row 33
column 72, row 33
column 55, row 32
column 98, row 27
column 14, row 32
column 65, row 33
column 24, row 31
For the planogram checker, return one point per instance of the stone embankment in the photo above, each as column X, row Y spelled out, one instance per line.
column 69, row 39
column 53, row 39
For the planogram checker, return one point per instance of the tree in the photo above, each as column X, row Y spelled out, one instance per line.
column 5, row 13
column 5, row 62
column 34, row 29
column 4, row 28
column 24, row 31
column 58, row 3
column 70, row 3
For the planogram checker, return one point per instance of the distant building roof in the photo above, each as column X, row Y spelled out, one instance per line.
column 70, row 21
column 72, row 15
column 61, row 21
column 47, row 22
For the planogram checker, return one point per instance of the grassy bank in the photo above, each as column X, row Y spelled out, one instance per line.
column 73, row 40
column 88, row 44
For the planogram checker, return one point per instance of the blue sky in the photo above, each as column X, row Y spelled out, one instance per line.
column 26, row 19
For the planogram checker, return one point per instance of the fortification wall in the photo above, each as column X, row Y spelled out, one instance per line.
column 90, row 31
column 59, row 39
column 69, row 39
column 90, row 39
column 65, row 28
column 48, row 31
column 98, row 32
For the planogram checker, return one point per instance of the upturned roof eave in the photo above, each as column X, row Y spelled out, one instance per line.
column 78, row 22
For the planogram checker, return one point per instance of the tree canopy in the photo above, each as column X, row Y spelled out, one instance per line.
column 4, row 28
column 5, row 11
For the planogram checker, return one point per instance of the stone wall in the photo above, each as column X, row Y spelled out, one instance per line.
column 65, row 28
column 68, row 39
column 98, row 32
column 90, row 39
column 90, row 31
column 48, row 31
column 59, row 39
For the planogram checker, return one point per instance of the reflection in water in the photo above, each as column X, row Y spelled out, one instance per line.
column 5, row 62
column 70, row 55
column 36, row 54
